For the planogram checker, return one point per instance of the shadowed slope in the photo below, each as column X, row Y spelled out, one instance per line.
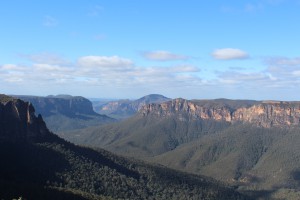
column 37, row 164
column 225, row 139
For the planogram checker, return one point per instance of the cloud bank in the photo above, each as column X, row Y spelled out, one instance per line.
column 229, row 54
column 97, row 75
column 163, row 56
column 96, row 71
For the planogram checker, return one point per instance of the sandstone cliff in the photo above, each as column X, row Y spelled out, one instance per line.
column 18, row 121
column 261, row 113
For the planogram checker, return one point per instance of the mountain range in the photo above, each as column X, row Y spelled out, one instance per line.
column 252, row 145
column 37, row 164
column 65, row 112
column 125, row 108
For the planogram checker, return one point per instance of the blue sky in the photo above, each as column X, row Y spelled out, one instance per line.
column 131, row 48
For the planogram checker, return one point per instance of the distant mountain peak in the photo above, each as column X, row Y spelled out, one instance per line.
column 127, row 108
column 65, row 96
column 153, row 96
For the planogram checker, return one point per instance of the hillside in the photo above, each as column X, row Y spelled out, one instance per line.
column 65, row 112
column 249, row 144
column 125, row 108
column 36, row 164
column 144, row 136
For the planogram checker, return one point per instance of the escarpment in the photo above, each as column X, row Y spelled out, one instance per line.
column 260, row 113
column 67, row 105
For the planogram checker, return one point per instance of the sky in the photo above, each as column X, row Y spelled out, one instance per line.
column 236, row 49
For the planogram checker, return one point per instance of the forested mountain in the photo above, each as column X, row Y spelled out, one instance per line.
column 36, row 164
column 125, row 108
column 249, row 144
column 65, row 112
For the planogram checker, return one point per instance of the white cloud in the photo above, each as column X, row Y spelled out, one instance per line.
column 98, row 71
column 12, row 73
column 96, row 75
column 95, row 11
column 163, row 56
column 242, row 77
column 52, row 68
column 296, row 73
column 11, row 67
column 229, row 54
column 254, row 7
column 283, row 61
column 14, row 79
column 285, row 68
column 281, row 73
column 251, row 7
column 186, row 68
column 46, row 57
column 105, row 62
column 50, row 21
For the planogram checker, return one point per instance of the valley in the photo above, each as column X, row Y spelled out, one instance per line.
column 251, row 146
column 37, row 164
column 149, row 100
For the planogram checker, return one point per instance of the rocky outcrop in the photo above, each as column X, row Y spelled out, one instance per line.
column 265, row 114
column 18, row 121
column 268, row 114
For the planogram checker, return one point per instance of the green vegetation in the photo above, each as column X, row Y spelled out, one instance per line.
column 144, row 137
column 4, row 98
column 59, row 122
column 36, row 164
column 232, row 104
column 60, row 170
column 260, row 162
column 250, row 158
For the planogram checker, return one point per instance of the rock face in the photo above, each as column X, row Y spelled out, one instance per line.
column 268, row 114
column 65, row 112
column 18, row 121
column 67, row 105
column 265, row 114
